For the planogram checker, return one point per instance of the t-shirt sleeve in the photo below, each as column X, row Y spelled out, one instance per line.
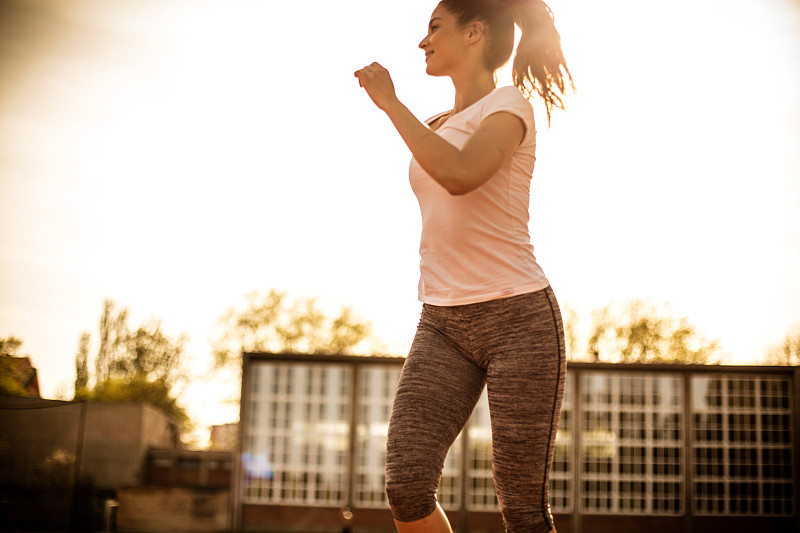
column 510, row 99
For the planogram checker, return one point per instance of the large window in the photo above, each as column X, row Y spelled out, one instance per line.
column 632, row 443
column 296, row 441
column 631, row 440
column 742, row 445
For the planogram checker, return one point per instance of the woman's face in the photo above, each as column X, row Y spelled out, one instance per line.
column 444, row 44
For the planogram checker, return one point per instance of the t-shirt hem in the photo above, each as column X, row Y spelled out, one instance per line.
column 484, row 297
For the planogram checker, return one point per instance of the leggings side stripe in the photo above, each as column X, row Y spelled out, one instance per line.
column 553, row 421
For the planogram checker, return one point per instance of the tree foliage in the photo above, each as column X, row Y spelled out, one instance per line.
column 570, row 321
column 132, row 365
column 137, row 389
column 10, row 382
column 638, row 332
column 788, row 352
column 10, row 347
column 275, row 323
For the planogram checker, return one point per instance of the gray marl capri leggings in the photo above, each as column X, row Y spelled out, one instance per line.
column 515, row 346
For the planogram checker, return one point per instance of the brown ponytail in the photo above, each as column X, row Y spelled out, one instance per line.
column 539, row 66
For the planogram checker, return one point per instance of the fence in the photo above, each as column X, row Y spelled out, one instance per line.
column 667, row 447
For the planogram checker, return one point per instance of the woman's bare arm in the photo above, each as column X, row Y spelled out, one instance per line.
column 458, row 171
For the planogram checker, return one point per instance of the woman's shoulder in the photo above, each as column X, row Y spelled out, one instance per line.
column 511, row 100
column 508, row 95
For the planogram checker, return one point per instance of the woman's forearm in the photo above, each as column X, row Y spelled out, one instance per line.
column 440, row 159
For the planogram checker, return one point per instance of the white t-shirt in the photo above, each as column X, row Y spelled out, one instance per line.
column 476, row 247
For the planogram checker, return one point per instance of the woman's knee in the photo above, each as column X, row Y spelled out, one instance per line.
column 528, row 520
column 410, row 486
column 410, row 501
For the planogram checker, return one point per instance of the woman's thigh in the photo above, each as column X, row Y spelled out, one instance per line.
column 437, row 392
column 525, row 384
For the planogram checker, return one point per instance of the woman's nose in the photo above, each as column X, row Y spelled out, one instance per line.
column 424, row 42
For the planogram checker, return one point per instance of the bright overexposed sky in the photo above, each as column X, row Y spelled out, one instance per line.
column 174, row 155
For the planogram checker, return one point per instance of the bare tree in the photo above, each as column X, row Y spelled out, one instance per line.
column 113, row 330
column 82, row 362
column 788, row 352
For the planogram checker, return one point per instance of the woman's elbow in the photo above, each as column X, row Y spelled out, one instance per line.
column 457, row 188
column 459, row 184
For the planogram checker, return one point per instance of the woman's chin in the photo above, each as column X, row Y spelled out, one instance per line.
column 430, row 71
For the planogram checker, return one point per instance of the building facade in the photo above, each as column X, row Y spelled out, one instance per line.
column 223, row 437
column 661, row 447
column 182, row 491
column 59, row 460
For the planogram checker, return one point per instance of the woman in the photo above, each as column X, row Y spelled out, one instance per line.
column 489, row 316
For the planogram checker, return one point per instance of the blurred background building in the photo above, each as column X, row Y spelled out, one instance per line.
column 61, row 461
column 655, row 447
column 639, row 447
column 224, row 437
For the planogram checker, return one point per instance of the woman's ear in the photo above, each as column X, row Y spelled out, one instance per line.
column 475, row 31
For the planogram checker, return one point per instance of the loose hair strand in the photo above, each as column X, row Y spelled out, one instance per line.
column 539, row 65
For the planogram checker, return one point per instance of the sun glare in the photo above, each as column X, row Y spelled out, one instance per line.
column 175, row 155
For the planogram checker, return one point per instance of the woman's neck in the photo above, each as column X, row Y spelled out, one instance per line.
column 471, row 88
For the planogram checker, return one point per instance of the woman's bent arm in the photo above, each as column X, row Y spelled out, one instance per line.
column 458, row 171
